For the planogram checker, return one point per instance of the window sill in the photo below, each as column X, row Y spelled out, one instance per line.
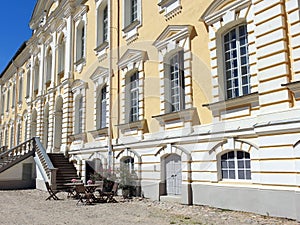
column 102, row 132
column 170, row 7
column 234, row 102
column 294, row 87
column 101, row 50
column 131, row 26
column 130, row 32
column 78, row 137
column 176, row 119
column 132, row 126
column 79, row 64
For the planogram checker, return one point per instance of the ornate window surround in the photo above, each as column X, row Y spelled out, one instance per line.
column 132, row 61
column 167, row 45
column 220, row 18
column 100, row 79
column 79, row 90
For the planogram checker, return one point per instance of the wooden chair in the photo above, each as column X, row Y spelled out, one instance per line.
column 99, row 189
column 110, row 194
column 52, row 194
column 84, row 197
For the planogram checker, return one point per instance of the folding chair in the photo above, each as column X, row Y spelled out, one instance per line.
column 83, row 195
column 110, row 194
column 52, row 194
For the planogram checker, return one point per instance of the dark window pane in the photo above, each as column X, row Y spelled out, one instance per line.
column 248, row 174
column 231, row 155
column 241, row 164
column 231, row 174
column 241, row 174
column 231, row 164
column 247, row 164
column 240, row 155
column 224, row 174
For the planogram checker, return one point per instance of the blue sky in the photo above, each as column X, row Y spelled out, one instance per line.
column 15, row 16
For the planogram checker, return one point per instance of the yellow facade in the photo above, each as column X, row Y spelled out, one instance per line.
column 192, row 85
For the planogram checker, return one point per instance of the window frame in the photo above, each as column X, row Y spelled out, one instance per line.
column 236, row 166
column 236, row 77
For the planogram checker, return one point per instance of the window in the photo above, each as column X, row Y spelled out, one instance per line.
column 134, row 97
column 7, row 100
column 48, row 66
column 18, row 134
column 132, row 19
column 105, row 24
column 176, row 83
column 28, row 84
column 20, row 89
column 236, row 61
column 102, row 24
column 2, row 104
column 61, row 56
column 80, row 50
column 236, row 165
column 13, row 99
column 36, row 78
column 128, row 164
column 12, row 136
column 133, row 11
column 101, row 109
column 79, row 115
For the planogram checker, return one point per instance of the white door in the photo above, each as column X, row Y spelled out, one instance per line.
column 173, row 174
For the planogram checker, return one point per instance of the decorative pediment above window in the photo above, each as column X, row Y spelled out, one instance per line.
column 173, row 34
column 225, row 10
column 100, row 76
column 132, row 56
column 79, row 84
column 170, row 8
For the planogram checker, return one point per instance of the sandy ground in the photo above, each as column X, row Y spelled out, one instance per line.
column 24, row 207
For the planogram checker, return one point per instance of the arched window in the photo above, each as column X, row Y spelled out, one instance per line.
column 80, row 42
column 28, row 84
column 20, row 90
column 128, row 163
column 175, row 83
column 7, row 101
column 13, row 99
column 102, row 23
column 101, row 108
column 236, row 62
column 48, row 66
column 236, row 165
column 61, row 55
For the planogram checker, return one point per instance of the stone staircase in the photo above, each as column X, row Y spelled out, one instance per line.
column 9, row 158
column 65, row 170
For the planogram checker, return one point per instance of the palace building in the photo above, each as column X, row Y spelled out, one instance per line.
column 201, row 99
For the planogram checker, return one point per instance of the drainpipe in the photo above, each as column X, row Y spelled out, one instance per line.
column 110, row 73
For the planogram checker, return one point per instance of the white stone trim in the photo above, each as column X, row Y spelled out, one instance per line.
column 170, row 8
